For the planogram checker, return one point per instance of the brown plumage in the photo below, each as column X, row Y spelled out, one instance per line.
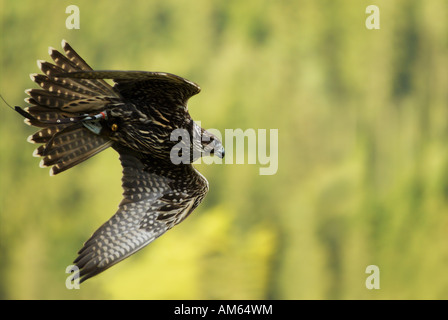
column 80, row 115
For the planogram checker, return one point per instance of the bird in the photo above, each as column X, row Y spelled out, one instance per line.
column 79, row 114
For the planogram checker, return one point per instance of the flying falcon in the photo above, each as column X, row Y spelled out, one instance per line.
column 80, row 114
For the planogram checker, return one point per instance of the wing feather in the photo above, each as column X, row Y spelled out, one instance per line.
column 141, row 218
column 142, row 84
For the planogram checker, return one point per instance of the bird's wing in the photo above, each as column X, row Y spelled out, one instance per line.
column 143, row 85
column 152, row 204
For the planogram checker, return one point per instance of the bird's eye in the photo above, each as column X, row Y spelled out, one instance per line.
column 114, row 127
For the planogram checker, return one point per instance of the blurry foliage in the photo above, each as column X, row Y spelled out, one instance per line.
column 363, row 161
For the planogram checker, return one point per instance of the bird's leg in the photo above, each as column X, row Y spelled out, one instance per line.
column 93, row 125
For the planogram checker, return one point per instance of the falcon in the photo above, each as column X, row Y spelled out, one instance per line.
column 80, row 114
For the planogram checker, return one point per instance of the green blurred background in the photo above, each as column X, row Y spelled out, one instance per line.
column 362, row 117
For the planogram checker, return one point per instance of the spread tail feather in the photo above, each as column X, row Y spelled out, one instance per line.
column 66, row 146
column 59, row 107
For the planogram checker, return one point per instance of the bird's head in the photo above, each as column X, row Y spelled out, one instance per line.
column 206, row 143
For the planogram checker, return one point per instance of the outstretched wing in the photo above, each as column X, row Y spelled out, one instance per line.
column 143, row 85
column 152, row 204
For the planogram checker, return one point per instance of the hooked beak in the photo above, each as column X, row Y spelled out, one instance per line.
column 220, row 152
column 211, row 145
column 215, row 148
